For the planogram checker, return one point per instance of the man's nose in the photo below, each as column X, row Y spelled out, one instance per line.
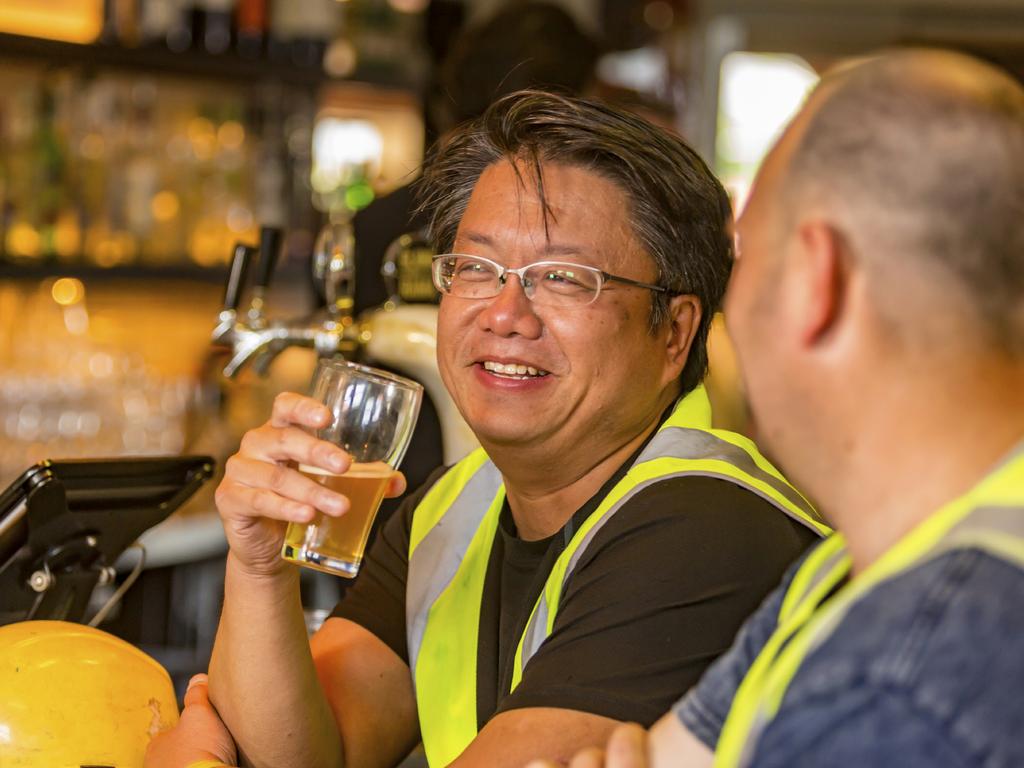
column 510, row 313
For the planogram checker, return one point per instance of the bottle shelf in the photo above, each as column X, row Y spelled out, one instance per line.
column 228, row 67
column 177, row 271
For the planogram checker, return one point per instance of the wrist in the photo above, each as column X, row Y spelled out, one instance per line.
column 275, row 570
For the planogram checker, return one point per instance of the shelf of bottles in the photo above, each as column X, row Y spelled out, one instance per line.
column 152, row 141
column 113, row 170
column 141, row 145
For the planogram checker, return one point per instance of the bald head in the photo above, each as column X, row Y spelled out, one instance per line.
column 918, row 156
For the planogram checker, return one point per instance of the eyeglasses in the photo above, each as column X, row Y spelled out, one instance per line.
column 551, row 283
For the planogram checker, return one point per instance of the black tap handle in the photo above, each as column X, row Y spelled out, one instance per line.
column 270, row 247
column 241, row 260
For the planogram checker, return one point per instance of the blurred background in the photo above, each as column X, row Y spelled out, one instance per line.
column 141, row 140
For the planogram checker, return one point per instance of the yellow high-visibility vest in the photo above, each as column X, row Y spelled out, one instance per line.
column 989, row 517
column 453, row 529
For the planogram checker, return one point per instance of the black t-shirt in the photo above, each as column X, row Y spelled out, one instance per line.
column 658, row 594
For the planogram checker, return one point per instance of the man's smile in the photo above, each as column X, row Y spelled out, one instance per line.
column 512, row 370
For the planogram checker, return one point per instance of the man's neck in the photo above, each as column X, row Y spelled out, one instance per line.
column 920, row 453
column 545, row 487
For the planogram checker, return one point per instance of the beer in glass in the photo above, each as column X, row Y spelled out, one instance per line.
column 374, row 415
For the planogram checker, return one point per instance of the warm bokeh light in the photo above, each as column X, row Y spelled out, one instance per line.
column 114, row 248
column 23, row 240
column 67, row 291
column 92, row 146
column 165, row 205
column 67, row 236
column 409, row 6
column 231, row 134
column 340, row 58
column 211, row 242
column 74, row 21
column 203, row 137
column 240, row 219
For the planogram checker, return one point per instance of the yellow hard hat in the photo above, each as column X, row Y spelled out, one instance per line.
column 74, row 696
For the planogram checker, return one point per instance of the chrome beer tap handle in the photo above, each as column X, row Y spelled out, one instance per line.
column 270, row 248
column 334, row 267
column 252, row 338
column 241, row 261
column 261, row 345
column 246, row 344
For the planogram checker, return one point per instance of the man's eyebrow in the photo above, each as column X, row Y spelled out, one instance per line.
column 558, row 249
column 479, row 238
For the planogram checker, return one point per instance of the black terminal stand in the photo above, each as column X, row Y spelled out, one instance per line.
column 63, row 524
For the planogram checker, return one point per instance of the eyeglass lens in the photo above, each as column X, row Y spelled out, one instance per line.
column 545, row 282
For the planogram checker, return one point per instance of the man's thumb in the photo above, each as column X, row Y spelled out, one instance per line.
column 197, row 693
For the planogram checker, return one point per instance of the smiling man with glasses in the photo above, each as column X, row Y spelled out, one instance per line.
column 603, row 545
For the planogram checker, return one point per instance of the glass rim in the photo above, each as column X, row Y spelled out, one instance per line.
column 376, row 374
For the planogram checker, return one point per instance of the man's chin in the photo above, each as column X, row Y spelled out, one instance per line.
column 505, row 432
column 498, row 437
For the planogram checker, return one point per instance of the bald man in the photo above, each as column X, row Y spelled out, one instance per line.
column 877, row 306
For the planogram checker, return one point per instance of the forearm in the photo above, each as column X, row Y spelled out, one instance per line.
column 262, row 677
column 515, row 737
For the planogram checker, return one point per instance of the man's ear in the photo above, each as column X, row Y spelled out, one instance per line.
column 684, row 313
column 820, row 280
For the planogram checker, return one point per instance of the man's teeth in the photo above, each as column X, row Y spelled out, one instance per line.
column 513, row 369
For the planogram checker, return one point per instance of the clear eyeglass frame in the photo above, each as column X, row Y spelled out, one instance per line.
column 551, row 283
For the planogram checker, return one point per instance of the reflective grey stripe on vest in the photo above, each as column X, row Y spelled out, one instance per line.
column 670, row 443
column 536, row 629
column 696, row 444
column 820, row 574
column 969, row 533
column 436, row 559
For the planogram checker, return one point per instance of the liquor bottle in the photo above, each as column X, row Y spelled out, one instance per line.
column 179, row 34
column 215, row 19
column 302, row 29
column 108, row 31
column 141, row 172
column 157, row 18
column 120, row 23
column 50, row 167
column 251, row 26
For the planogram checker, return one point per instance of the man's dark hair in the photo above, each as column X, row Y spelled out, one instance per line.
column 921, row 152
column 523, row 45
column 679, row 212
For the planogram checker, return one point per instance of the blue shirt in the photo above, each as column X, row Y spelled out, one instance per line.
column 927, row 669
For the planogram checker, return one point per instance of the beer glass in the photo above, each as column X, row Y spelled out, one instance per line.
column 374, row 415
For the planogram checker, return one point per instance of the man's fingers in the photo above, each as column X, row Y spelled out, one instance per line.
column 397, row 485
column 280, row 444
column 627, row 747
column 588, row 758
column 290, row 408
column 287, row 483
column 198, row 692
column 239, row 502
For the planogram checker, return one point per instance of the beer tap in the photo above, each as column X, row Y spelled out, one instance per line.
column 241, row 260
column 270, row 248
column 257, row 339
column 400, row 336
